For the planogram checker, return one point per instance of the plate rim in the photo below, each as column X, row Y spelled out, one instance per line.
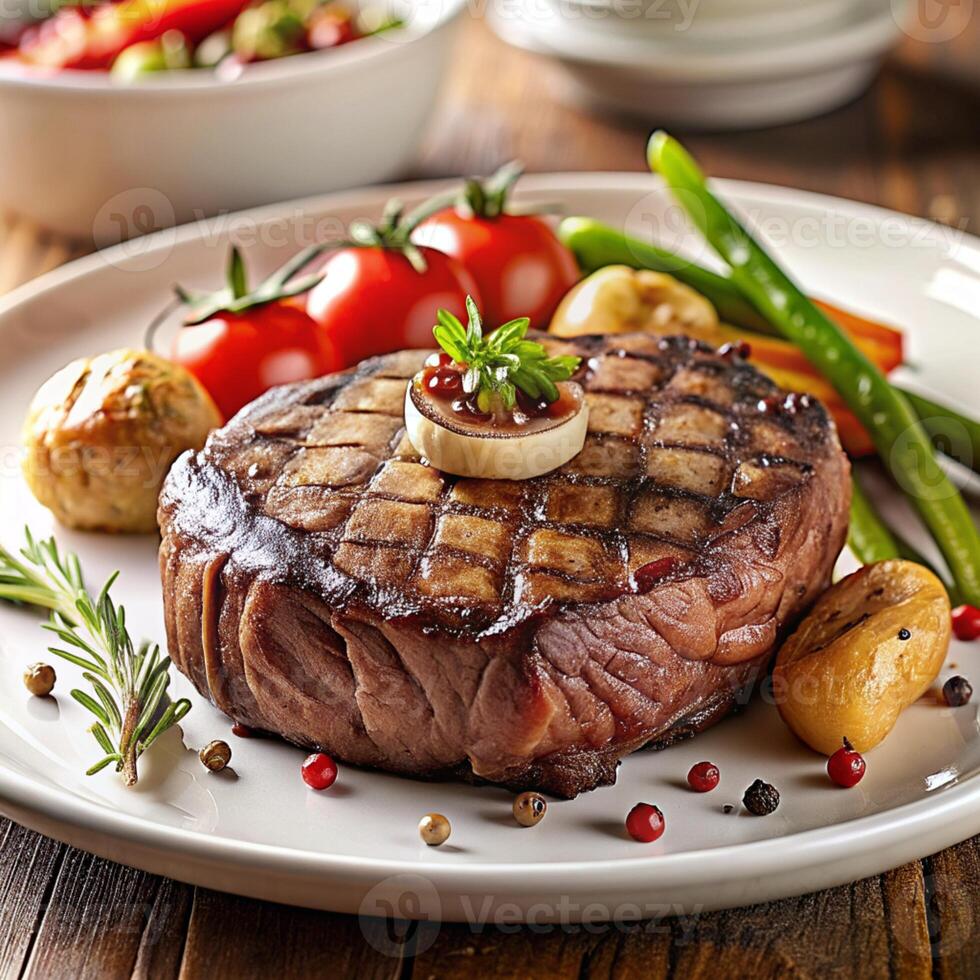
column 944, row 815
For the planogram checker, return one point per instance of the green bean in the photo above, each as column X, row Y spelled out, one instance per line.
column 952, row 433
column 891, row 421
column 867, row 535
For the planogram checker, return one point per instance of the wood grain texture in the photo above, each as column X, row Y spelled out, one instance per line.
column 94, row 920
column 28, row 865
column 912, row 143
column 231, row 937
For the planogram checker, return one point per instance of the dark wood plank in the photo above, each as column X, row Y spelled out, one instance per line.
column 460, row 952
column 28, row 866
column 94, row 921
column 953, row 900
column 874, row 928
column 239, row 938
column 161, row 948
column 855, row 931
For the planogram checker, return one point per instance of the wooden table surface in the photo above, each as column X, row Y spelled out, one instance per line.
column 913, row 144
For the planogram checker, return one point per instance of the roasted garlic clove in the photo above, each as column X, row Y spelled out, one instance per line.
column 618, row 299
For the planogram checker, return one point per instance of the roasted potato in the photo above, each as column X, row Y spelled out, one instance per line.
column 870, row 647
column 102, row 432
column 618, row 299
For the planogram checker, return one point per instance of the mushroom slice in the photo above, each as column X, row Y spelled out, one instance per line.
column 494, row 451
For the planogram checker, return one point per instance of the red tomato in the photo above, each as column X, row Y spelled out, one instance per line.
column 238, row 356
column 371, row 300
column 519, row 265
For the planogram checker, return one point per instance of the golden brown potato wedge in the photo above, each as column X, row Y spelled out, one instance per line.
column 869, row 648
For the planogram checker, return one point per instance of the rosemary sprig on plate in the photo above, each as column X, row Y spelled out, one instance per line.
column 128, row 684
column 504, row 361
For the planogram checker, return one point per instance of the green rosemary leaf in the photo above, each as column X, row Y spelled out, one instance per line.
column 168, row 719
column 102, row 737
column 151, row 704
column 87, row 701
column 106, row 699
column 102, row 763
column 74, row 659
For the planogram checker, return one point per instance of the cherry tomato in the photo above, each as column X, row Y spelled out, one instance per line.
column 519, row 265
column 372, row 300
column 238, row 356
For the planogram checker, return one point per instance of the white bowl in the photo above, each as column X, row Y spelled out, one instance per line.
column 89, row 157
column 689, row 21
column 743, row 83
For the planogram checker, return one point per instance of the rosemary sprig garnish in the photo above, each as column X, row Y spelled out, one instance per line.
column 128, row 684
column 499, row 364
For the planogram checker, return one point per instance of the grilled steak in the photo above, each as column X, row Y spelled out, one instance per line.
column 322, row 582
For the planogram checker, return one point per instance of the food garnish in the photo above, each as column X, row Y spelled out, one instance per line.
column 520, row 266
column 434, row 829
column 891, row 421
column 102, row 432
column 491, row 406
column 703, row 777
column 966, row 622
column 645, row 823
column 846, row 766
column 957, row 691
column 239, row 342
column 846, row 672
column 242, row 731
column 530, row 809
column 761, row 798
column 39, row 679
column 128, row 684
column 215, row 756
column 319, row 771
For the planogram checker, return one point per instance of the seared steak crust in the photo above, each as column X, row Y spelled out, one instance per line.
column 323, row 583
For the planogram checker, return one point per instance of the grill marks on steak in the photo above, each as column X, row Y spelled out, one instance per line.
column 322, row 582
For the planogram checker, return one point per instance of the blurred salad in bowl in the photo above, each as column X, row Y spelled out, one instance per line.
column 132, row 39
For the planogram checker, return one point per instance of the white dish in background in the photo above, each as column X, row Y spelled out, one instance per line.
column 689, row 21
column 92, row 158
column 261, row 832
column 742, row 79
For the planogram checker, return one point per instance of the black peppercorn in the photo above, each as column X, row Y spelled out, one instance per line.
column 761, row 798
column 904, row 634
column 957, row 691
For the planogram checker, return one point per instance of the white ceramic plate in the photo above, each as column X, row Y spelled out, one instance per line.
column 260, row 831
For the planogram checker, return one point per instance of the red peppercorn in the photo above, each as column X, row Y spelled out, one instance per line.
column 703, row 777
column 966, row 622
column 648, row 575
column 319, row 770
column 242, row 731
column 846, row 766
column 645, row 823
